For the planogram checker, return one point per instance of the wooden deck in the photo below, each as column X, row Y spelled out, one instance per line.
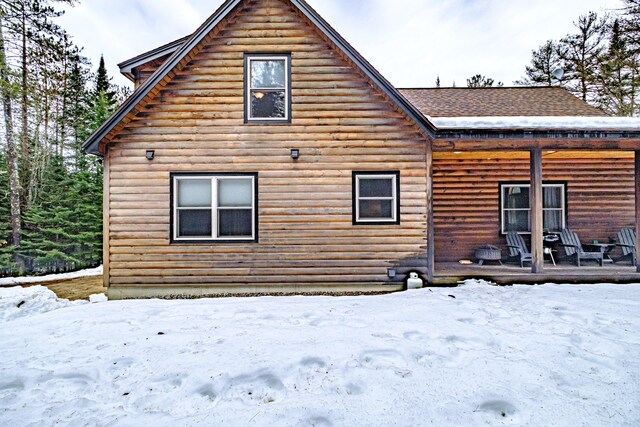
column 451, row 273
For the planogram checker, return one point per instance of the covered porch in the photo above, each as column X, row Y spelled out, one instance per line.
column 452, row 272
column 600, row 180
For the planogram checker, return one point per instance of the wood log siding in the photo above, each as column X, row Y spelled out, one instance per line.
column 600, row 198
column 340, row 123
column 144, row 71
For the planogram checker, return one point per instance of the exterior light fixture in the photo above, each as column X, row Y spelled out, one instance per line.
column 295, row 153
column 151, row 154
column 391, row 272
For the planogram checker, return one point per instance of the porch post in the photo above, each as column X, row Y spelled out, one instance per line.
column 637, row 156
column 430, row 221
column 535, row 198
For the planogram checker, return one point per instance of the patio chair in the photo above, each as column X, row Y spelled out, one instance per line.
column 517, row 247
column 573, row 247
column 627, row 242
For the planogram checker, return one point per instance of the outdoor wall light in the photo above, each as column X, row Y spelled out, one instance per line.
column 151, row 154
column 295, row 153
column 391, row 272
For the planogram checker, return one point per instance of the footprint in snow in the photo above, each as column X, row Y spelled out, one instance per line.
column 313, row 362
column 316, row 422
column 261, row 388
column 388, row 360
column 207, row 392
column 502, row 411
column 414, row 336
column 382, row 335
column 16, row 384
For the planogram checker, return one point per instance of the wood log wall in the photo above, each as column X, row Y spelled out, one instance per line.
column 144, row 71
column 195, row 123
column 466, row 197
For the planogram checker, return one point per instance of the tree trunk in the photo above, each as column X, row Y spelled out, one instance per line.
column 14, row 182
column 25, row 167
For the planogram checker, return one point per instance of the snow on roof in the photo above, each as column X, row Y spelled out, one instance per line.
column 538, row 123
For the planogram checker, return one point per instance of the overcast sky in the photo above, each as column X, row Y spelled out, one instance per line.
column 410, row 42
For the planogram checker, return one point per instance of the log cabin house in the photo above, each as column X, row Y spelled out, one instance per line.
column 263, row 154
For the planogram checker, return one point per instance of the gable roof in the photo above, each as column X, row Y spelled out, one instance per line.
column 93, row 142
column 499, row 102
column 126, row 67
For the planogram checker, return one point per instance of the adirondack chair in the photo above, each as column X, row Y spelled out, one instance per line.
column 517, row 247
column 627, row 242
column 573, row 247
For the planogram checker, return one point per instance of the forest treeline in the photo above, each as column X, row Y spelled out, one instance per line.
column 52, row 99
column 599, row 61
column 50, row 190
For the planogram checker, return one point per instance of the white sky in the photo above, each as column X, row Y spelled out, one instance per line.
column 410, row 42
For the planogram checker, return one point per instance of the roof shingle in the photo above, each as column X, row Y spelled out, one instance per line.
column 495, row 102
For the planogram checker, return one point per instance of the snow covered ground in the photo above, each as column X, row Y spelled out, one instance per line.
column 7, row 281
column 475, row 355
column 16, row 302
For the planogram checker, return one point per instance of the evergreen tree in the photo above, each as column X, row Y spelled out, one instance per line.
column 618, row 77
column 481, row 81
column 6, row 251
column 48, row 228
column 631, row 24
column 544, row 62
column 103, row 83
column 77, row 114
column 581, row 53
column 630, row 28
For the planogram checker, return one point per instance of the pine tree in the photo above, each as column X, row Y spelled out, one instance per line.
column 544, row 62
column 630, row 27
column 103, row 83
column 581, row 53
column 631, row 24
column 47, row 244
column 7, row 265
column 618, row 75
column 481, row 81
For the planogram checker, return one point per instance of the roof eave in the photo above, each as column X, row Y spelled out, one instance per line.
column 126, row 67
column 497, row 133
column 92, row 144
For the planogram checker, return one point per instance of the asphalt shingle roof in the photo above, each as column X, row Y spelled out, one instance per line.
column 496, row 102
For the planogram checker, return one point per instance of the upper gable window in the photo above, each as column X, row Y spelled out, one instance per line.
column 268, row 88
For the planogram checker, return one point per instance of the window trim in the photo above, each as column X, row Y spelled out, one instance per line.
column 565, row 202
column 173, row 224
column 355, row 192
column 248, row 57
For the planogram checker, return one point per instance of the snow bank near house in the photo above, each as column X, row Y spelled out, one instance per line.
column 469, row 356
column 4, row 281
column 535, row 123
column 19, row 302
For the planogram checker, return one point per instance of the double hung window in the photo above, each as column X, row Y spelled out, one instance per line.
column 214, row 207
column 267, row 88
column 515, row 207
column 376, row 197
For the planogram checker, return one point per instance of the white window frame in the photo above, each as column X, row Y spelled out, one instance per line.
column 394, row 198
column 215, row 225
column 563, row 209
column 249, row 89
